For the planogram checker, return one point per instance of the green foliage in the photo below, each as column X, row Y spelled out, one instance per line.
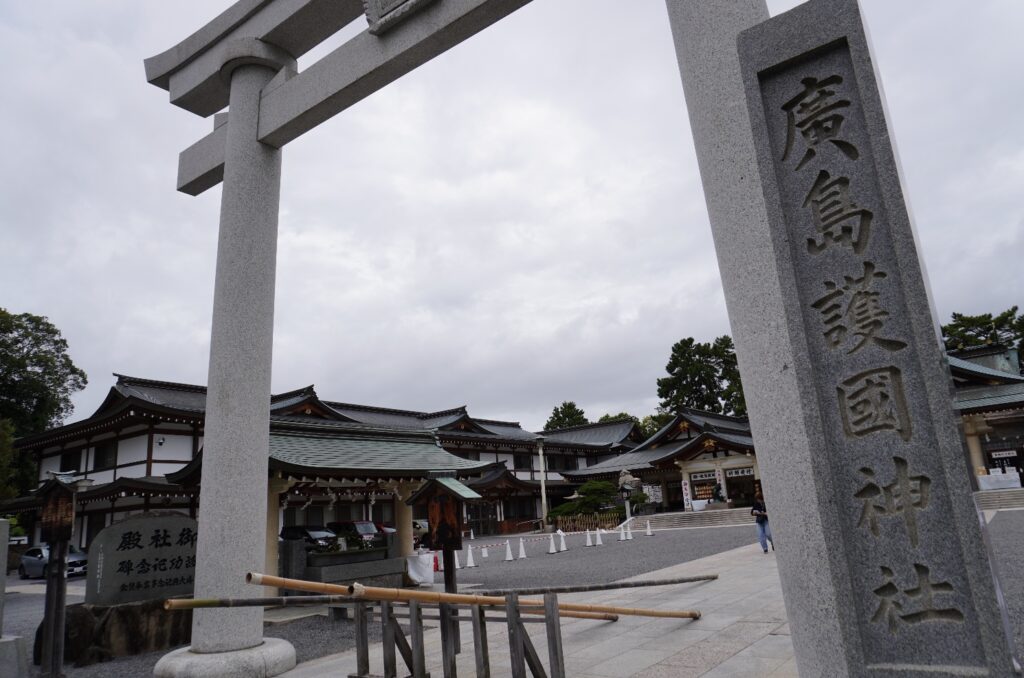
column 621, row 416
column 565, row 415
column 965, row 331
column 639, row 497
column 594, row 494
column 37, row 380
column 8, row 462
column 653, row 423
column 703, row 376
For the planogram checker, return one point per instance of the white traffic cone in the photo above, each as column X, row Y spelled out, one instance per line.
column 457, row 566
column 508, row 551
column 471, row 537
column 522, row 549
column 629, row 531
column 648, row 533
column 589, row 543
column 597, row 537
column 551, row 548
column 622, row 533
column 483, row 552
column 561, row 542
column 469, row 557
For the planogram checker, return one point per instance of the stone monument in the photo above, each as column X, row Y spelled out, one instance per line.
column 883, row 568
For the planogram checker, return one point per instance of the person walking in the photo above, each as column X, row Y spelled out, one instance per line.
column 760, row 513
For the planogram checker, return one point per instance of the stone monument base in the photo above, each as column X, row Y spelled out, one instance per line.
column 272, row 658
column 13, row 657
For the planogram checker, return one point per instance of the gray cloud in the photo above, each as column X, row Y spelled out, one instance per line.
column 516, row 223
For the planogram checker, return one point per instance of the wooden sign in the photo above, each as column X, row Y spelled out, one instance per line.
column 58, row 520
column 445, row 515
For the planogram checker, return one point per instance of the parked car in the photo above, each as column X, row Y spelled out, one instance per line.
column 353, row 529
column 35, row 561
column 420, row 528
column 313, row 535
column 384, row 529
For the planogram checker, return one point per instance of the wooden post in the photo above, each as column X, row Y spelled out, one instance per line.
column 388, row 632
column 556, row 661
column 483, row 664
column 447, row 641
column 362, row 641
column 450, row 586
column 419, row 663
column 53, row 626
column 515, row 636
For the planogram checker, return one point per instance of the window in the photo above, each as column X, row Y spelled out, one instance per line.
column 466, row 454
column 71, row 461
column 105, row 455
column 522, row 462
column 315, row 515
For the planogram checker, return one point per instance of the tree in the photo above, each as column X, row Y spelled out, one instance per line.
column 653, row 423
column 37, row 380
column 965, row 331
column 565, row 415
column 593, row 496
column 704, row 376
column 8, row 465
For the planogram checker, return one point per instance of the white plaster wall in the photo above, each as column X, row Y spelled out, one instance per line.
column 161, row 469
column 132, row 450
column 175, row 447
column 523, row 475
column 51, row 464
column 102, row 476
column 507, row 458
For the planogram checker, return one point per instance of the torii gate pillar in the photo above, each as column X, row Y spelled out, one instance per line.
column 229, row 641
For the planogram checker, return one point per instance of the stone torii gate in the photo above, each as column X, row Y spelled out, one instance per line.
column 846, row 618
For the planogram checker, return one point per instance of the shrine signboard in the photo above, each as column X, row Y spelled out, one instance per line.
column 917, row 596
column 58, row 515
column 149, row 556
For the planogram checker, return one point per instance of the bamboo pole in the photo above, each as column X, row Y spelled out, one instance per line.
column 584, row 588
column 285, row 601
column 378, row 593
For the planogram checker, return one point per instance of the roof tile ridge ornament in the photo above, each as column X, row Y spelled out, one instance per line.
column 578, row 427
column 125, row 380
column 499, row 422
column 461, row 409
column 741, row 419
column 372, row 408
column 305, row 390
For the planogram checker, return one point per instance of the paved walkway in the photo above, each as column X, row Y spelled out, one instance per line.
column 742, row 632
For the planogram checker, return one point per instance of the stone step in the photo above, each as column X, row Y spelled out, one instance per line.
column 661, row 521
column 994, row 500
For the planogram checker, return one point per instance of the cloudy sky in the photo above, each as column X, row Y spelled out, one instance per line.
column 517, row 223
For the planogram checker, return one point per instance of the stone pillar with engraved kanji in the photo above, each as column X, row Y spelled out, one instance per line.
column 906, row 581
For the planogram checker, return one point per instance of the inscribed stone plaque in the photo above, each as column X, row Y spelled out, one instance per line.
column 922, row 597
column 149, row 556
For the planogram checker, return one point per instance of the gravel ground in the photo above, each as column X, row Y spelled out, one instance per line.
column 615, row 560
column 315, row 637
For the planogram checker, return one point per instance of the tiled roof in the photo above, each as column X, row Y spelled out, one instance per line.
column 976, row 370
column 1000, row 397
column 602, row 433
column 363, row 453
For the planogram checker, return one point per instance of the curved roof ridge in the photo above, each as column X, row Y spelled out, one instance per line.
column 594, row 424
column 125, row 380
